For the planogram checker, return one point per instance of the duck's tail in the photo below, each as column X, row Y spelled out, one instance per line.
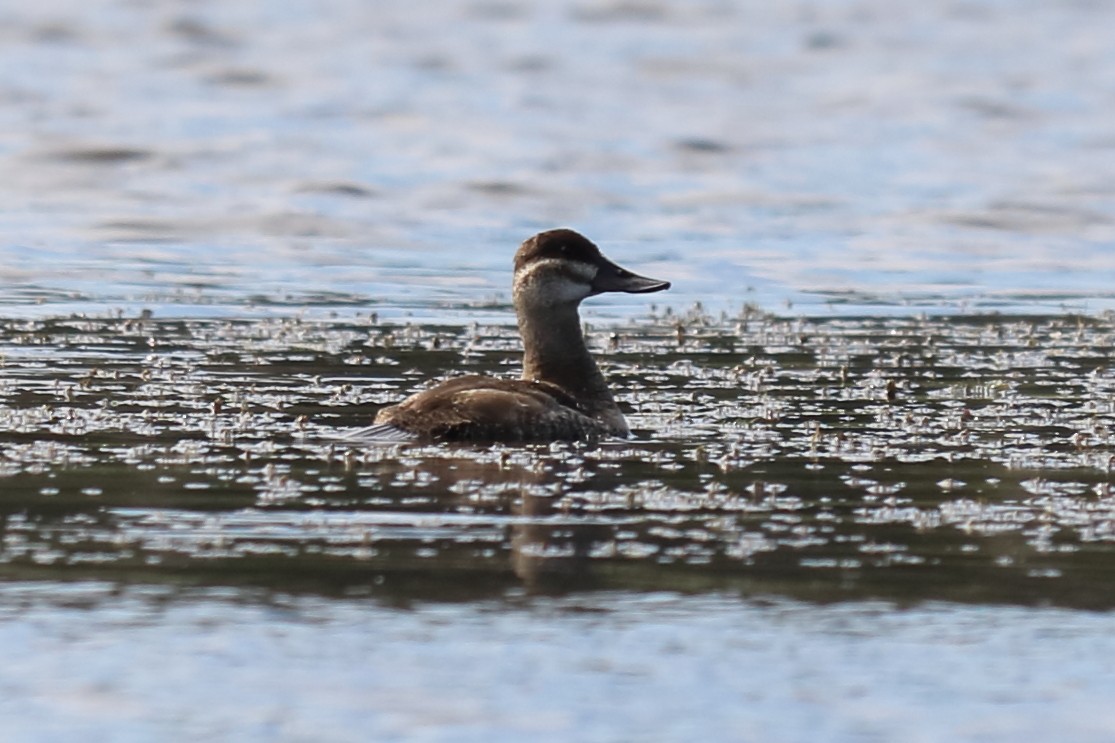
column 379, row 433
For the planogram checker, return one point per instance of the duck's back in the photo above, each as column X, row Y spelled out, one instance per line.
column 477, row 408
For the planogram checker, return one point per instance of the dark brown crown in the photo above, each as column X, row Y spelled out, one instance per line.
column 562, row 244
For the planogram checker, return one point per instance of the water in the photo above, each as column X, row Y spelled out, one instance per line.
column 834, row 155
column 868, row 497
column 599, row 667
column 847, row 525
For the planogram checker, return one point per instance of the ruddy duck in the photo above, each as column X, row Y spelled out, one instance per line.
column 562, row 394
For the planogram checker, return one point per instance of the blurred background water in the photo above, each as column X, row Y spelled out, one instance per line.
column 835, row 155
column 232, row 161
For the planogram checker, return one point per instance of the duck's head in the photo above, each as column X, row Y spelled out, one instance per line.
column 561, row 267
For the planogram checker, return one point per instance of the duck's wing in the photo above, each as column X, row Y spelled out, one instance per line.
column 478, row 408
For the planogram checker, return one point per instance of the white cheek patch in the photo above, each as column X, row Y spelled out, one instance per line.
column 586, row 272
column 562, row 290
column 560, row 282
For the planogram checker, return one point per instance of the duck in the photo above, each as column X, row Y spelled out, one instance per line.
column 562, row 394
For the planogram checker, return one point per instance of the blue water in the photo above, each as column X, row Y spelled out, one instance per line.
column 818, row 158
column 87, row 661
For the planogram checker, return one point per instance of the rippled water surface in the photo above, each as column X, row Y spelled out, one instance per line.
column 609, row 666
column 869, row 492
column 964, row 458
column 836, row 155
column 877, row 463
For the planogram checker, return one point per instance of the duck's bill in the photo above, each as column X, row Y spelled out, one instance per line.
column 613, row 278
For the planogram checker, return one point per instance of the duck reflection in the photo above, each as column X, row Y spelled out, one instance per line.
column 551, row 550
column 550, row 545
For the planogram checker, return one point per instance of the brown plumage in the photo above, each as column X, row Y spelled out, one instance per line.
column 476, row 408
column 562, row 395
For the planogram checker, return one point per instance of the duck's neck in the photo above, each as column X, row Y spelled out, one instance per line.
column 554, row 351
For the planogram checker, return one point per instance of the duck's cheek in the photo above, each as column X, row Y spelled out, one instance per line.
column 551, row 291
column 566, row 291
